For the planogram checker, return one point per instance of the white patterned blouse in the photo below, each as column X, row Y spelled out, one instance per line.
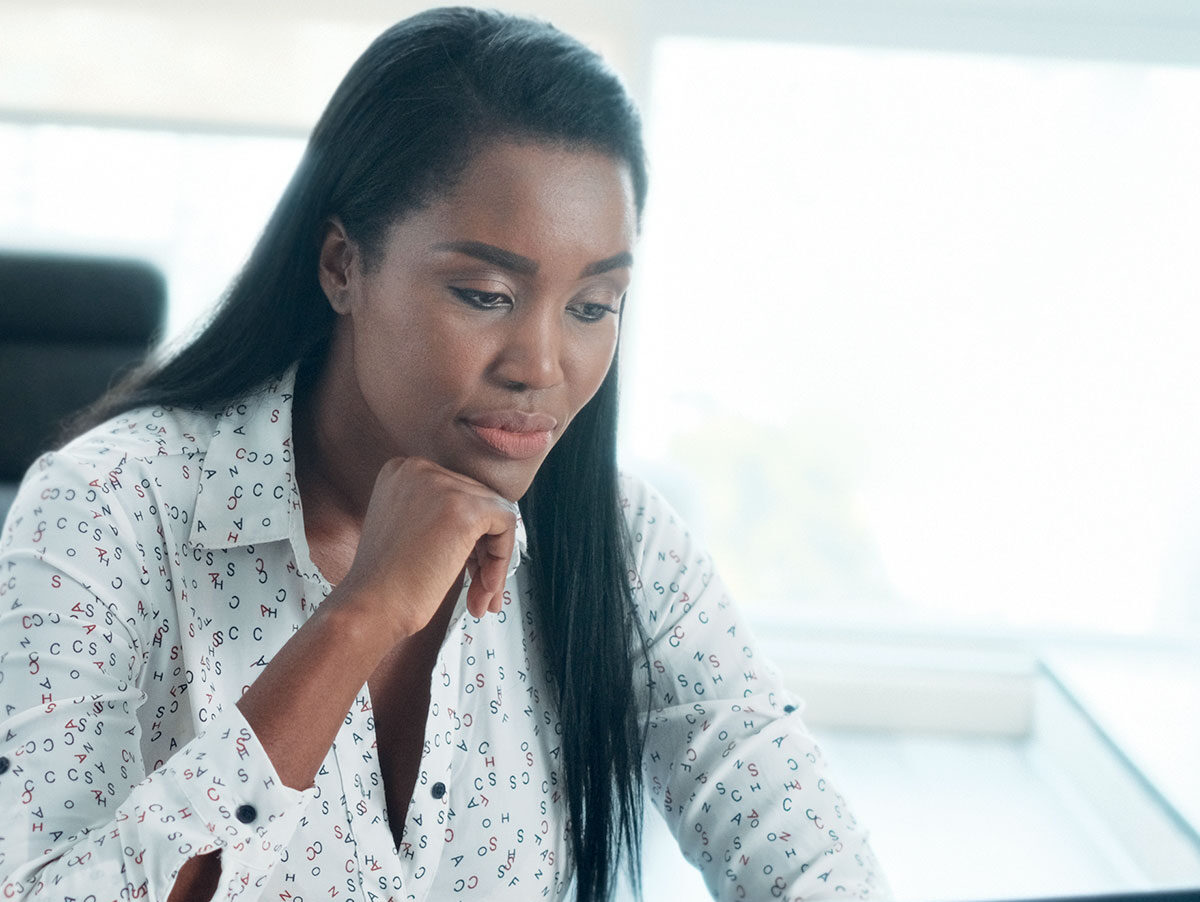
column 152, row 568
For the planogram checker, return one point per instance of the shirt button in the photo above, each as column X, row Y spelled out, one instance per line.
column 438, row 790
column 3, row 764
column 246, row 813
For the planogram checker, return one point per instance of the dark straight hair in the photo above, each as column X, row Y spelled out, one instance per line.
column 400, row 128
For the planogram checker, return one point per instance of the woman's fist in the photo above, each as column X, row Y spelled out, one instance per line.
column 423, row 525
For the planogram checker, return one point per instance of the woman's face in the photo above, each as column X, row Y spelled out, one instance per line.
column 491, row 315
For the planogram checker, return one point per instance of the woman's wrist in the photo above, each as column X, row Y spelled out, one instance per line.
column 363, row 619
column 312, row 680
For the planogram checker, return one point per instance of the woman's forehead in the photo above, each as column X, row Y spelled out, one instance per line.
column 534, row 199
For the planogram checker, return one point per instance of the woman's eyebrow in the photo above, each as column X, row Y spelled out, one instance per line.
column 617, row 261
column 498, row 256
column 489, row 253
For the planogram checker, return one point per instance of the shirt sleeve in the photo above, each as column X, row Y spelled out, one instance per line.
column 728, row 761
column 81, row 814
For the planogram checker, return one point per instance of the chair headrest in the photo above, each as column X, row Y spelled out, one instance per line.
column 49, row 298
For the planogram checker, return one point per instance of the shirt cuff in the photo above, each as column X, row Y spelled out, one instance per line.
column 233, row 787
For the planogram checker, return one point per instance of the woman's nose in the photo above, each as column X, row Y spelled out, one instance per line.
column 532, row 354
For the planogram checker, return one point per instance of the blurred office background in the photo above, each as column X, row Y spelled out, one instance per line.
column 914, row 343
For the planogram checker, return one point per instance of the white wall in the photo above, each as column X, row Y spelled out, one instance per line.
column 272, row 64
column 264, row 65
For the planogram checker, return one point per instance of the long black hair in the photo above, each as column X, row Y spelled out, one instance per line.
column 401, row 126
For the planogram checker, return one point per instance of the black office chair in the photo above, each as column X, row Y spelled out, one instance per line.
column 69, row 326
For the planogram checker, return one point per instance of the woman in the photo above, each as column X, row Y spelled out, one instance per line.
column 278, row 629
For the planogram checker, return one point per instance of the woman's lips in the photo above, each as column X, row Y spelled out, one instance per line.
column 515, row 434
column 516, row 445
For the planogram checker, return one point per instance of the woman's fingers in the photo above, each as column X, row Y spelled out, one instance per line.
column 423, row 525
column 497, row 554
column 488, row 565
column 479, row 593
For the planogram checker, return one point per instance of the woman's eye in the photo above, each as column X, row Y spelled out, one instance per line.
column 592, row 313
column 482, row 300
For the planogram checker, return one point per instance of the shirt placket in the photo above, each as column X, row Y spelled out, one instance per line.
column 385, row 871
column 381, row 874
column 428, row 826
column 353, row 761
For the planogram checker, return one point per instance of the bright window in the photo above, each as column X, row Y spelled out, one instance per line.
column 921, row 331
column 915, row 345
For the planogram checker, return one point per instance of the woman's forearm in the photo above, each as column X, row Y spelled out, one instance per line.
column 299, row 701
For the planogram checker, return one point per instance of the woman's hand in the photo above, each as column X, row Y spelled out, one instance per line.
column 423, row 524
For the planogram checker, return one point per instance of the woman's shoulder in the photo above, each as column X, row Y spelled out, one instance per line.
column 643, row 504
column 661, row 538
column 146, row 443
column 172, row 440
column 148, row 434
column 118, row 470
column 144, row 434
column 152, row 462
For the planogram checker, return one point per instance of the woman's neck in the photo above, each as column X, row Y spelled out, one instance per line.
column 335, row 466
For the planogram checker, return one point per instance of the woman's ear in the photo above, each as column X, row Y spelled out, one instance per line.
column 335, row 265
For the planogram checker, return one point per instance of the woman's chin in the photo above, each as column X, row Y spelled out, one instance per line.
column 510, row 479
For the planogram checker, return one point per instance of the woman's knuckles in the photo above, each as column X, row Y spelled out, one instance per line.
column 425, row 523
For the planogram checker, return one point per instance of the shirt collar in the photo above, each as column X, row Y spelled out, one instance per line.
column 248, row 491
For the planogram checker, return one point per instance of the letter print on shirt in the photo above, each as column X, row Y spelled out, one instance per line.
column 149, row 571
